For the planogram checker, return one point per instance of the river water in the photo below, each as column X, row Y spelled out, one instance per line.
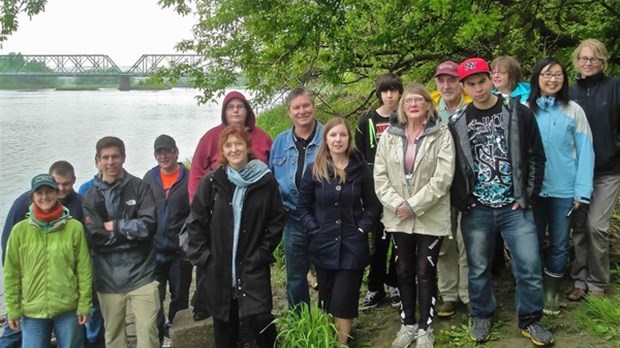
column 40, row 127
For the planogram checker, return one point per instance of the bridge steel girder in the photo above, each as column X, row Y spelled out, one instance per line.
column 67, row 65
column 149, row 63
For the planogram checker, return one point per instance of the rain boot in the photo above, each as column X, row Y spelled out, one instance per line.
column 551, row 283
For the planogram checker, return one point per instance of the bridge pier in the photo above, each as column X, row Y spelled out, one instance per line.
column 124, row 83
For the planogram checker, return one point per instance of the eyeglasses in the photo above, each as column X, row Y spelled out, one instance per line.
column 548, row 75
column 416, row 100
column 592, row 60
column 233, row 107
column 497, row 72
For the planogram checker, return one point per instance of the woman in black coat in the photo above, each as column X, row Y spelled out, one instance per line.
column 236, row 222
column 338, row 207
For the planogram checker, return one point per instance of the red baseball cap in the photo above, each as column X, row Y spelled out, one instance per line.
column 447, row 68
column 473, row 66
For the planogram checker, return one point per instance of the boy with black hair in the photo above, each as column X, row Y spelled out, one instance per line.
column 389, row 88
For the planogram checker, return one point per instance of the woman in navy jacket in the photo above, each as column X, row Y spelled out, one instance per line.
column 338, row 207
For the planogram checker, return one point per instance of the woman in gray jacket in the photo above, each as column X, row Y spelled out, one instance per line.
column 413, row 172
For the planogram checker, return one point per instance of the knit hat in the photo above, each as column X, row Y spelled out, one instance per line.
column 447, row 68
column 43, row 180
column 473, row 66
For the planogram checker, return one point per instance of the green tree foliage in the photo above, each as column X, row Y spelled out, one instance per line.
column 15, row 63
column 338, row 47
column 11, row 8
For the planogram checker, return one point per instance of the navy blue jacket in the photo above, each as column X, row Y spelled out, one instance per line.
column 172, row 211
column 20, row 208
column 333, row 214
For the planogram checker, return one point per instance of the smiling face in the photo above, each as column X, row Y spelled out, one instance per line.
column 589, row 63
column 550, row 79
column 45, row 198
column 337, row 140
column 236, row 112
column 64, row 183
column 236, row 152
column 167, row 159
column 301, row 111
column 111, row 163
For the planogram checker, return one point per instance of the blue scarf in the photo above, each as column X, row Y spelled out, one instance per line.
column 243, row 178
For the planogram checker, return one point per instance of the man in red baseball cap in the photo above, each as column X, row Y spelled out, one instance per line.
column 499, row 173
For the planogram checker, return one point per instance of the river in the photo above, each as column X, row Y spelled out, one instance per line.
column 40, row 127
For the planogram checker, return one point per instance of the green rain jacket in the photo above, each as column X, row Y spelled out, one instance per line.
column 47, row 270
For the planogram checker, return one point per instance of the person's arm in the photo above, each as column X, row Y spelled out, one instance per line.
column 535, row 156
column 439, row 184
column 198, row 168
column 144, row 224
column 361, row 135
column 384, row 188
column 16, row 213
column 307, row 201
column 13, row 277
column 372, row 206
column 84, row 273
column 274, row 226
column 199, row 223
column 582, row 137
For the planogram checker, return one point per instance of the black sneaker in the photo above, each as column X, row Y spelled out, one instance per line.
column 480, row 330
column 373, row 299
column 539, row 335
column 394, row 296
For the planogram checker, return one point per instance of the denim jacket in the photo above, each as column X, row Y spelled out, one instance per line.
column 283, row 164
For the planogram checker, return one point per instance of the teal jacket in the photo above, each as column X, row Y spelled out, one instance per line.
column 47, row 269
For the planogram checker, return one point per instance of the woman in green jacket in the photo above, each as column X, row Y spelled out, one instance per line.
column 47, row 272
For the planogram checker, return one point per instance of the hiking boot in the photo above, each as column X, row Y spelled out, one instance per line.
column 373, row 299
column 406, row 336
column 576, row 295
column 446, row 309
column 394, row 296
column 539, row 335
column 425, row 338
column 480, row 329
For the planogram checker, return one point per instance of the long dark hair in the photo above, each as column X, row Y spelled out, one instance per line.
column 561, row 97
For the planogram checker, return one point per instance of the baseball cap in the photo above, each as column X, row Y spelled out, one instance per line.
column 165, row 142
column 447, row 68
column 473, row 66
column 43, row 180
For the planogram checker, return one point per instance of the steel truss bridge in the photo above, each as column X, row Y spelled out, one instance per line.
column 92, row 64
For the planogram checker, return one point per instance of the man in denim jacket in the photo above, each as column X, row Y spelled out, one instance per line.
column 291, row 152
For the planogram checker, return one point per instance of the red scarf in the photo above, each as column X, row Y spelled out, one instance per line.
column 42, row 216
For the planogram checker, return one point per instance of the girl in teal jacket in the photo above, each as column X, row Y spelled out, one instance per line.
column 567, row 183
column 47, row 272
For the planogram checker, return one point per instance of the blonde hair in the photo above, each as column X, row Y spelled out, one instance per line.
column 419, row 89
column 323, row 159
column 597, row 47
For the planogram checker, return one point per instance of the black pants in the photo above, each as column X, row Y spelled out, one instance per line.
column 177, row 274
column 417, row 255
column 226, row 333
column 377, row 275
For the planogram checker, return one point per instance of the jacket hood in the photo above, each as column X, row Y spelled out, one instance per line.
column 398, row 129
column 250, row 118
column 52, row 225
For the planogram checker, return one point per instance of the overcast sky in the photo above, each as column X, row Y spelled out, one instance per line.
column 121, row 29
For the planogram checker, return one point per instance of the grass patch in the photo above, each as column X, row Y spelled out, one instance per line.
column 306, row 327
column 602, row 317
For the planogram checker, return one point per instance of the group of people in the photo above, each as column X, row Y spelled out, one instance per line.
column 440, row 180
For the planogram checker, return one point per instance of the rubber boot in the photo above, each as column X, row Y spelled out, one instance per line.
column 551, row 283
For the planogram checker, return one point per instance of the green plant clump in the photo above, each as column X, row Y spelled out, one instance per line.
column 306, row 327
column 601, row 316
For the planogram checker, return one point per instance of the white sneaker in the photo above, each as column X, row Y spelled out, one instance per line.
column 406, row 336
column 425, row 338
column 167, row 343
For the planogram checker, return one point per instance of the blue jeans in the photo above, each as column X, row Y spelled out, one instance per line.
column 297, row 263
column 37, row 332
column 177, row 274
column 550, row 215
column 10, row 338
column 480, row 227
column 95, row 333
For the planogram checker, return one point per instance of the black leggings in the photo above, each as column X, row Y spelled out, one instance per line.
column 257, row 328
column 416, row 255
